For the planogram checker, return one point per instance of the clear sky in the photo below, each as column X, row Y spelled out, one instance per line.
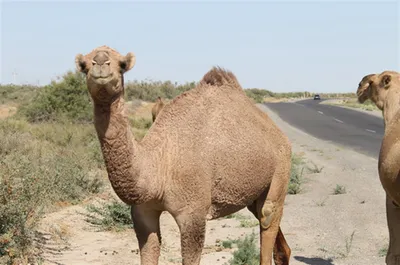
column 281, row 46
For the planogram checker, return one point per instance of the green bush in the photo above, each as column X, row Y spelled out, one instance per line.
column 41, row 164
column 296, row 175
column 112, row 216
column 247, row 252
column 258, row 94
column 17, row 94
column 68, row 99
column 149, row 90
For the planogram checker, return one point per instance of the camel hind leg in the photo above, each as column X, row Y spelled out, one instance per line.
column 268, row 209
column 281, row 249
column 393, row 221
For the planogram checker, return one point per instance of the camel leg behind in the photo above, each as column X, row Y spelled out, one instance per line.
column 268, row 209
column 281, row 250
column 393, row 220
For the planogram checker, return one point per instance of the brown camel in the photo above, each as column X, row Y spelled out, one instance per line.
column 384, row 90
column 157, row 108
column 209, row 153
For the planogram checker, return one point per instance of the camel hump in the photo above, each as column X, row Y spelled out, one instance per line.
column 218, row 76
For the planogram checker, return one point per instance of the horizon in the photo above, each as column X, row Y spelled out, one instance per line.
column 319, row 47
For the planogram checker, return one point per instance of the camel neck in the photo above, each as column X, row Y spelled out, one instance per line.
column 391, row 107
column 120, row 151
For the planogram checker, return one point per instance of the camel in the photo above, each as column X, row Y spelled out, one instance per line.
column 384, row 90
column 157, row 108
column 210, row 152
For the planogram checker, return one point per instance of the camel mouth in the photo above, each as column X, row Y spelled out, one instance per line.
column 101, row 80
column 361, row 97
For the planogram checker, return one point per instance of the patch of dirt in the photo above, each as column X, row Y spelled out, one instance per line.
column 7, row 111
column 317, row 224
column 141, row 109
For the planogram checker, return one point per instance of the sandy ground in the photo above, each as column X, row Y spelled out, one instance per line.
column 7, row 110
column 317, row 224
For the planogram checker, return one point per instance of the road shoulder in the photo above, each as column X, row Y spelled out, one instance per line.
column 317, row 223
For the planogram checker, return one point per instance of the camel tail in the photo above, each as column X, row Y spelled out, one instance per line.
column 218, row 76
column 281, row 249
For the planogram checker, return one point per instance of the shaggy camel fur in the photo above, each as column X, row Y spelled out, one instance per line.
column 384, row 90
column 209, row 153
column 157, row 108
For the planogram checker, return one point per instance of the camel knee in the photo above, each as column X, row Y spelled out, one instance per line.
column 267, row 214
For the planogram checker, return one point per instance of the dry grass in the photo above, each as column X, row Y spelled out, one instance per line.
column 42, row 167
column 353, row 103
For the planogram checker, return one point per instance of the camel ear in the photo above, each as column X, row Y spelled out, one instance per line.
column 127, row 62
column 80, row 63
column 386, row 80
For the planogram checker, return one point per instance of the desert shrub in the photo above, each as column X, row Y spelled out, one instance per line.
column 149, row 90
column 17, row 93
column 247, row 252
column 258, row 94
column 296, row 174
column 67, row 99
column 41, row 164
column 115, row 215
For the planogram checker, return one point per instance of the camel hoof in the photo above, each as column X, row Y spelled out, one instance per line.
column 267, row 213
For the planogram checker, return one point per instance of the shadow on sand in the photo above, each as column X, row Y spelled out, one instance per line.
column 314, row 261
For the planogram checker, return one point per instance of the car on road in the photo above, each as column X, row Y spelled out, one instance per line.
column 317, row 97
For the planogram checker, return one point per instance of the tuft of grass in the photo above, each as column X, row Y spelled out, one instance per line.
column 322, row 202
column 247, row 252
column 249, row 223
column 229, row 216
column 229, row 243
column 296, row 175
column 383, row 251
column 112, row 216
column 349, row 244
column 339, row 189
column 315, row 168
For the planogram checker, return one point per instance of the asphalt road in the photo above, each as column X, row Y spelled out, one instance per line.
column 360, row 131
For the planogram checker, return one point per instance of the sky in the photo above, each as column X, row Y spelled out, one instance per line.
column 317, row 46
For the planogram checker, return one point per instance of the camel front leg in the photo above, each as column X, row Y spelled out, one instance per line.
column 192, row 227
column 393, row 221
column 147, row 228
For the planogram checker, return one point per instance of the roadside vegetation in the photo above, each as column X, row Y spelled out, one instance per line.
column 353, row 103
column 296, row 175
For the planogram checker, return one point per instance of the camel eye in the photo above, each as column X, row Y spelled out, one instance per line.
column 107, row 63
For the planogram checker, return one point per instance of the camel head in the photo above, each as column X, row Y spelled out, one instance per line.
column 104, row 68
column 377, row 86
column 363, row 90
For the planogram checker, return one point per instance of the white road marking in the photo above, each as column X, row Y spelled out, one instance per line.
column 338, row 120
column 368, row 130
column 320, row 112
